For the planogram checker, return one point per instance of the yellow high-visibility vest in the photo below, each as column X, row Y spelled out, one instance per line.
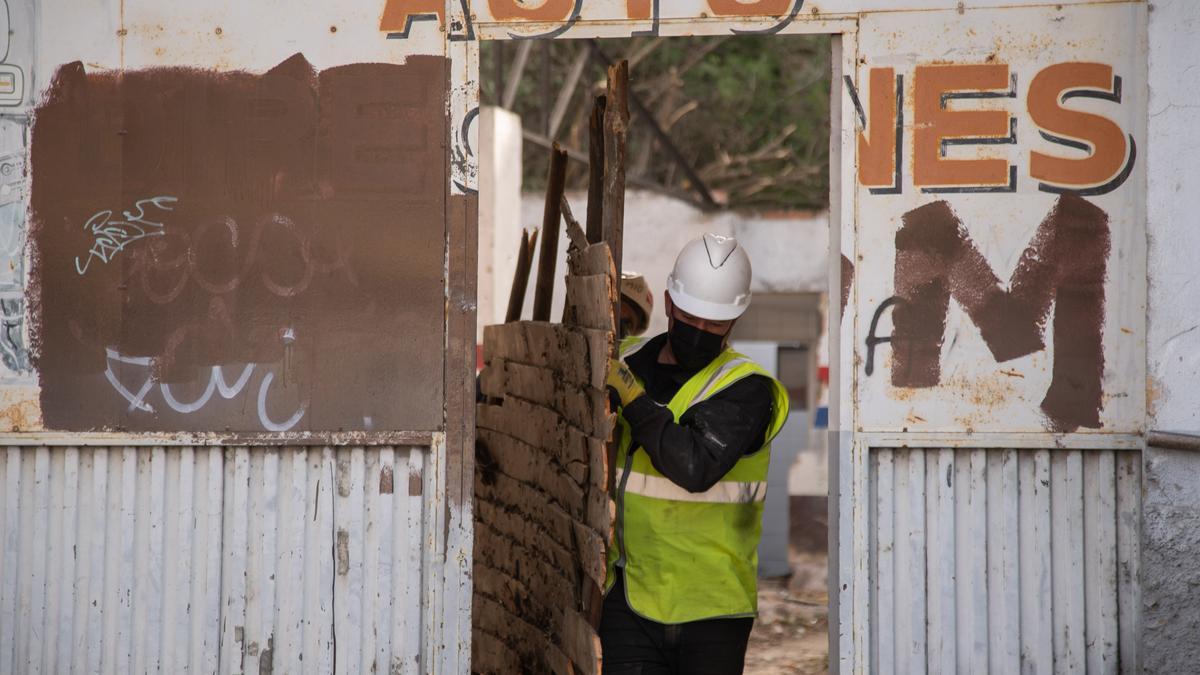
column 692, row 555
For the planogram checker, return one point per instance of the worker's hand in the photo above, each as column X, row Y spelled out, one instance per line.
column 622, row 382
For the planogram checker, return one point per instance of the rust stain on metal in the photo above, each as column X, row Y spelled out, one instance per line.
column 343, row 552
column 18, row 415
column 224, row 248
column 385, row 480
column 343, row 477
column 847, row 280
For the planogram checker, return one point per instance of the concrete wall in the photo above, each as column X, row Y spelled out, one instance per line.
column 499, row 210
column 1171, row 526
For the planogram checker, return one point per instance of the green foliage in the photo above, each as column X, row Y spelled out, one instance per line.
column 750, row 114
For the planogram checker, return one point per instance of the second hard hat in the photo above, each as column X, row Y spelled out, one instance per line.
column 711, row 278
column 636, row 292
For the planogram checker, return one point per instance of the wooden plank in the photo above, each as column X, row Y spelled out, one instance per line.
column 516, row 294
column 583, row 407
column 535, row 653
column 883, row 621
column 1066, row 495
column 939, row 561
column 533, row 467
column 616, row 127
column 595, row 203
column 910, row 561
column 1003, row 561
column 574, row 353
column 1129, row 596
column 581, row 643
column 972, row 534
column 543, row 290
column 541, row 521
column 589, row 302
column 576, row 237
column 1034, row 520
column 1100, row 560
column 595, row 259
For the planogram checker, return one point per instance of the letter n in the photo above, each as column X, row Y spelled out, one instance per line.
column 1065, row 265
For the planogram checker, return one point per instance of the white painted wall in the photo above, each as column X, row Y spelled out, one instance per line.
column 499, row 211
column 1171, row 525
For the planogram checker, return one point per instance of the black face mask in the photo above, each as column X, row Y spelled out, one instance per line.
column 694, row 348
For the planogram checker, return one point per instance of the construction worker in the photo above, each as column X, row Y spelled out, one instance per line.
column 637, row 302
column 695, row 428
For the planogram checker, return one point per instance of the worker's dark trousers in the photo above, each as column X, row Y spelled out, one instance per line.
column 637, row 646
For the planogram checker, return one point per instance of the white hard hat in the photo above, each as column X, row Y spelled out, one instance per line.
column 711, row 278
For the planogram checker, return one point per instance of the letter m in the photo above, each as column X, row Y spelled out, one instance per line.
column 1065, row 265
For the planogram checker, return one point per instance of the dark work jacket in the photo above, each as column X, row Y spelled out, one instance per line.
column 710, row 436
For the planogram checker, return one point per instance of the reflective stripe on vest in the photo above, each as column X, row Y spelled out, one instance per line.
column 724, row 492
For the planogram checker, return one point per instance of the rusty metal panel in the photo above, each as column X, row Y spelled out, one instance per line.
column 1004, row 560
column 199, row 560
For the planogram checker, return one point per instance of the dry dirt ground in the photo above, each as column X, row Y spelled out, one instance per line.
column 790, row 635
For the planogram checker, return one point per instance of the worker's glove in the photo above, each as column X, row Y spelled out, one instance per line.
column 621, row 383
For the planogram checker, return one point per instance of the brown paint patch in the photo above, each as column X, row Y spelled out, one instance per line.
column 847, row 280
column 304, row 248
column 1065, row 264
column 385, row 480
column 1108, row 146
column 933, row 122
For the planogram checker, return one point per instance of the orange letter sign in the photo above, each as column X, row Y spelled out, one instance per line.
column 398, row 15
column 753, row 8
column 515, row 10
column 935, row 127
column 1110, row 159
column 879, row 141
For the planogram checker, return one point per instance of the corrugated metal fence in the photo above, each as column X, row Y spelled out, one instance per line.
column 207, row 559
column 1004, row 561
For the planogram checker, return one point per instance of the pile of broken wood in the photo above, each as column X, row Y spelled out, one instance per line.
column 543, row 515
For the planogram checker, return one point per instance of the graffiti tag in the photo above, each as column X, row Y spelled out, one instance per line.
column 110, row 236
